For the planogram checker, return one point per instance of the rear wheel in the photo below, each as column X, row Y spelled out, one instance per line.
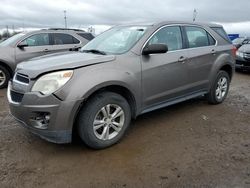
column 104, row 119
column 219, row 89
column 4, row 77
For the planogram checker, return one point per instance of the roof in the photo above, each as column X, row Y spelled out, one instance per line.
column 55, row 29
column 209, row 24
column 66, row 29
column 172, row 22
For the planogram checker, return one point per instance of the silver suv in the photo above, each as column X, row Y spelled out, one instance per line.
column 24, row 46
column 124, row 72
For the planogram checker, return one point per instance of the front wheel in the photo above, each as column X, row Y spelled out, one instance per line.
column 4, row 77
column 104, row 119
column 219, row 89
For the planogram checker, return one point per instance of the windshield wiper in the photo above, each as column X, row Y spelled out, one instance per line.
column 94, row 51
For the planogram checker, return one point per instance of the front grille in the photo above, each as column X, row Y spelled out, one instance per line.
column 22, row 78
column 16, row 97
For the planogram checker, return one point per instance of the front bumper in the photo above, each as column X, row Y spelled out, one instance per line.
column 242, row 63
column 33, row 104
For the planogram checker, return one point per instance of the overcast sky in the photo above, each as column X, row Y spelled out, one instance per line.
column 100, row 13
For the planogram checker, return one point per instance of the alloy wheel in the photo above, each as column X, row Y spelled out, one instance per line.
column 221, row 89
column 2, row 77
column 108, row 122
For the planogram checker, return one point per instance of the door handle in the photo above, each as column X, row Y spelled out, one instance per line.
column 182, row 59
column 46, row 50
column 213, row 51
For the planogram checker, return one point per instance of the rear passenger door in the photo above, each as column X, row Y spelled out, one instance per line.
column 64, row 42
column 201, row 56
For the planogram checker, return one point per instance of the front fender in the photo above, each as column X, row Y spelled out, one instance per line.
column 7, row 57
column 88, row 80
column 10, row 65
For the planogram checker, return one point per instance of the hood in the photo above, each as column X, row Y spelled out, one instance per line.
column 245, row 48
column 60, row 61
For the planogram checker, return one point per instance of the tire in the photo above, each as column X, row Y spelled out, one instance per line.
column 95, row 110
column 4, row 77
column 214, row 96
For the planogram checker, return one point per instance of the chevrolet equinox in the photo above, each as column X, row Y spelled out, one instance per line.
column 124, row 72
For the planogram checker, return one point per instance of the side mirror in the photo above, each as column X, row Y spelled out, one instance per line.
column 155, row 49
column 22, row 44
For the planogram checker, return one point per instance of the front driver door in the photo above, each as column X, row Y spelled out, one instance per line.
column 37, row 45
column 164, row 76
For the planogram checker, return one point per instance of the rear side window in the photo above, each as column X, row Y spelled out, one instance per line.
column 171, row 36
column 61, row 38
column 220, row 31
column 87, row 36
column 198, row 37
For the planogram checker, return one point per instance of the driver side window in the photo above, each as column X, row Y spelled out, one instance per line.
column 37, row 40
column 171, row 36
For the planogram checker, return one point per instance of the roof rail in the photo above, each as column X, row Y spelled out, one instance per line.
column 66, row 29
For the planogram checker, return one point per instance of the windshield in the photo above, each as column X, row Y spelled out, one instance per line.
column 117, row 40
column 12, row 39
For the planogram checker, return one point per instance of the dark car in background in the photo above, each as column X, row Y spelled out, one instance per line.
column 27, row 45
column 243, row 57
column 240, row 41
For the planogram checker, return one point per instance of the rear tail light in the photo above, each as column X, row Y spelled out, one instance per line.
column 234, row 50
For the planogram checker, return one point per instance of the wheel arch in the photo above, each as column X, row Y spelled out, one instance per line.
column 226, row 66
column 116, row 88
column 229, row 69
column 119, row 89
column 5, row 65
column 223, row 62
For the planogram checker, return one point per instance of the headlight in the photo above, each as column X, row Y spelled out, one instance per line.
column 239, row 54
column 51, row 82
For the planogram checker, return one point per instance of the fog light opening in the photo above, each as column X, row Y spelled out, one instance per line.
column 41, row 120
